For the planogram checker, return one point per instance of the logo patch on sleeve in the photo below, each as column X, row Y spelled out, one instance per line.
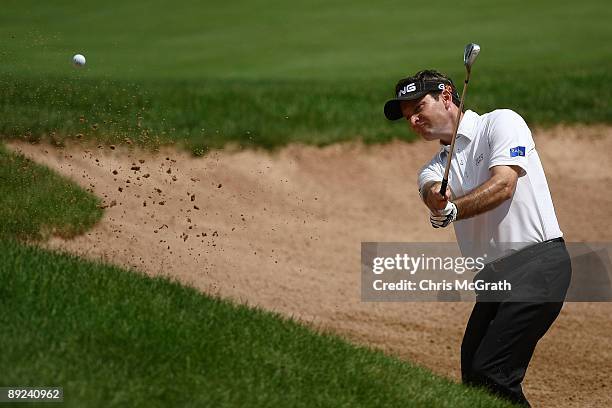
column 517, row 151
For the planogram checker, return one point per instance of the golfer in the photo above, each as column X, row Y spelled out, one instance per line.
column 500, row 205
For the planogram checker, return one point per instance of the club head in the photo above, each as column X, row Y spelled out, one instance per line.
column 470, row 54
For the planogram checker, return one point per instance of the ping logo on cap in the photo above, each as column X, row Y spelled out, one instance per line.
column 517, row 151
column 419, row 86
column 408, row 88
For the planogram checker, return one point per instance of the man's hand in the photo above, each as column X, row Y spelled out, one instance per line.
column 432, row 198
column 441, row 219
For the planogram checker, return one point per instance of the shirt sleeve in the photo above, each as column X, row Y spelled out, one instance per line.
column 510, row 140
column 432, row 171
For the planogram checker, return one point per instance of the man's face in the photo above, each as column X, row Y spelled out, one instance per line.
column 429, row 118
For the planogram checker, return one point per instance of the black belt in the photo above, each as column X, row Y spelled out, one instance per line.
column 560, row 239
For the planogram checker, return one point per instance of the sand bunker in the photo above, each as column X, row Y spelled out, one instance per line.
column 283, row 231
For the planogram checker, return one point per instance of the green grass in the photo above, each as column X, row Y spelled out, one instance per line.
column 205, row 116
column 35, row 202
column 267, row 73
column 314, row 39
column 116, row 338
column 208, row 114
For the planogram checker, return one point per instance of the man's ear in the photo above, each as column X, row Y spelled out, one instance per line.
column 447, row 96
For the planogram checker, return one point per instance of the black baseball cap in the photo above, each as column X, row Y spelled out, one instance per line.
column 409, row 89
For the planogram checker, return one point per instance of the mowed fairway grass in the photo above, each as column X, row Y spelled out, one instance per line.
column 267, row 73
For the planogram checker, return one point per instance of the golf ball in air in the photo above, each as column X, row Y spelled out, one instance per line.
column 78, row 60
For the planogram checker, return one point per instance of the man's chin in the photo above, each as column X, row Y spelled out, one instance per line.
column 428, row 136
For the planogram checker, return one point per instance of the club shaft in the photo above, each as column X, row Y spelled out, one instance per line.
column 452, row 146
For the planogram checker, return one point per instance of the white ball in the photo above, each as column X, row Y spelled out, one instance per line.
column 78, row 60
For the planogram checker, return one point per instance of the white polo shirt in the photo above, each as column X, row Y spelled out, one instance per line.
column 483, row 141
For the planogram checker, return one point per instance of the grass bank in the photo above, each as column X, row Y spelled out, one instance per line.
column 36, row 203
column 206, row 114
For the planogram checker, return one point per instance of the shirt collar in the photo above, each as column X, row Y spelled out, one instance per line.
column 467, row 127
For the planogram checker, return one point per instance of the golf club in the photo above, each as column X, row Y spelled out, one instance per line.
column 469, row 56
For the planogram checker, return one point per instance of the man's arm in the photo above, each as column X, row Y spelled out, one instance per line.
column 490, row 194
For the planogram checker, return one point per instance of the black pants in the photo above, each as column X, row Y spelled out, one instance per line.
column 501, row 336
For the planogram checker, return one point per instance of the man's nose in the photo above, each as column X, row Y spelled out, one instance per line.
column 414, row 119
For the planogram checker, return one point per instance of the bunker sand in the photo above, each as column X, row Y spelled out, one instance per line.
column 282, row 230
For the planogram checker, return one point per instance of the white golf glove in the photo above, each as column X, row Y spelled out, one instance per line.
column 446, row 216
